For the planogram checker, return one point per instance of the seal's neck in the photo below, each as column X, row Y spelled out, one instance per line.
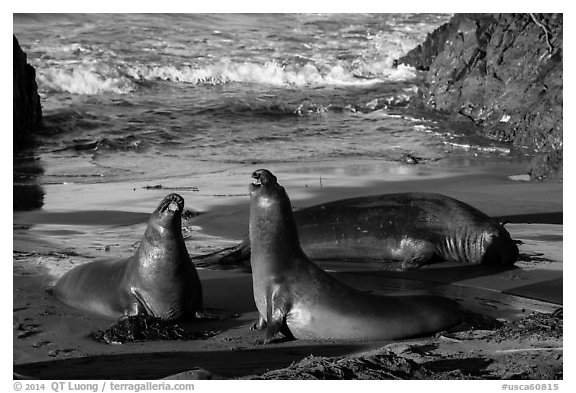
column 160, row 239
column 272, row 229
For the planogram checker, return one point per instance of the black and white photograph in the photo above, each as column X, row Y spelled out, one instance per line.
column 284, row 195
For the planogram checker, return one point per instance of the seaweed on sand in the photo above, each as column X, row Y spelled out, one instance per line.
column 535, row 325
column 385, row 365
column 146, row 328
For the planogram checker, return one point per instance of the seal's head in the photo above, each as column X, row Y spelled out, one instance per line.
column 265, row 190
column 500, row 248
column 163, row 238
column 169, row 212
column 270, row 210
column 264, row 181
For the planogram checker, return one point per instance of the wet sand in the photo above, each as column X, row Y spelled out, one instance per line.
column 50, row 340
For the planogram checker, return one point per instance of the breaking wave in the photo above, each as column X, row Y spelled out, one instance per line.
column 121, row 78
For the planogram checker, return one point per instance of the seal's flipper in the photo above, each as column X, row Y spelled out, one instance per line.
column 141, row 307
column 228, row 258
column 259, row 325
column 276, row 310
column 418, row 253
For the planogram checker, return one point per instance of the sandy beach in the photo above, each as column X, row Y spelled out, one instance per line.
column 80, row 222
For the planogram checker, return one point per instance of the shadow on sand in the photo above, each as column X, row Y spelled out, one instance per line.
column 227, row 364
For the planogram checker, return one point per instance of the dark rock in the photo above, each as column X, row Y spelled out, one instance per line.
column 27, row 197
column 503, row 72
column 424, row 54
column 27, row 112
column 27, row 192
column 546, row 166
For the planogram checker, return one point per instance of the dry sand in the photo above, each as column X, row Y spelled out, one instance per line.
column 81, row 222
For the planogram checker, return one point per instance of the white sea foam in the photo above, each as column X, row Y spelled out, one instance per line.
column 488, row 149
column 82, row 78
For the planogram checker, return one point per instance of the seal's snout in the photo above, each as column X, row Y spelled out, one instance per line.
column 173, row 203
column 263, row 177
column 500, row 248
column 256, row 175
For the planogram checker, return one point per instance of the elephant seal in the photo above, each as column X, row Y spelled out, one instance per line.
column 300, row 300
column 401, row 230
column 158, row 280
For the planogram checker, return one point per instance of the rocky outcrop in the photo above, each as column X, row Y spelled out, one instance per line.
column 27, row 119
column 503, row 72
column 27, row 112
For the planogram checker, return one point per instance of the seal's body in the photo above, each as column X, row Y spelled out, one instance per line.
column 159, row 279
column 412, row 229
column 299, row 299
column 401, row 230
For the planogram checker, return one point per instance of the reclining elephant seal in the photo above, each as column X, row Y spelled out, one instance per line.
column 300, row 300
column 159, row 279
column 401, row 230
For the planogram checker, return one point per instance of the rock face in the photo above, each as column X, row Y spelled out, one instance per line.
column 504, row 72
column 27, row 111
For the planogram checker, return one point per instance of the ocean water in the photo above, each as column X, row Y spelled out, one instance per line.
column 127, row 96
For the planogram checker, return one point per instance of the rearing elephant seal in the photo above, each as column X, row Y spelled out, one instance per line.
column 401, row 231
column 300, row 300
column 159, row 279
